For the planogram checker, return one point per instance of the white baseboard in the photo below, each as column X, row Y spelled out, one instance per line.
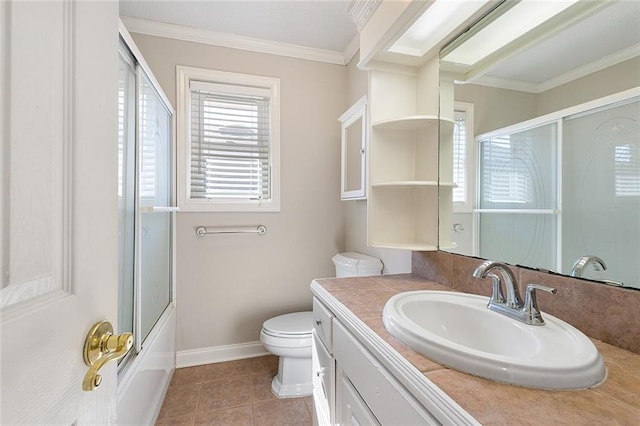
column 219, row 354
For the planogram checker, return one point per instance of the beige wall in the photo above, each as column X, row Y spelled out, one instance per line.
column 496, row 108
column 617, row 78
column 228, row 285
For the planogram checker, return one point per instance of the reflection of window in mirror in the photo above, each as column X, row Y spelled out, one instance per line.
column 463, row 157
column 627, row 164
column 505, row 175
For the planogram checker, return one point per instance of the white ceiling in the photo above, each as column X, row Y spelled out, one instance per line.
column 317, row 24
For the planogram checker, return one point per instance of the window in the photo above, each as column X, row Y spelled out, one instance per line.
column 463, row 154
column 228, row 141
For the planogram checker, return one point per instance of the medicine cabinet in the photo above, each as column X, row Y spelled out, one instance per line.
column 354, row 147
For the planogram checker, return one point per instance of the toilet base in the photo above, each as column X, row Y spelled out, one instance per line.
column 293, row 379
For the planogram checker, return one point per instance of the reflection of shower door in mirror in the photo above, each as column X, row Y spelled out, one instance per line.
column 517, row 210
column 601, row 187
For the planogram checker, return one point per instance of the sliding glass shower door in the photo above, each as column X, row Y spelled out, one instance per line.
column 145, row 200
column 126, row 190
column 154, row 203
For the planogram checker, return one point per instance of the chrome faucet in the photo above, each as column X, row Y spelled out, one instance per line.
column 526, row 312
column 583, row 261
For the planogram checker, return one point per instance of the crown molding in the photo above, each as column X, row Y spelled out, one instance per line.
column 361, row 11
column 351, row 49
column 179, row 32
column 504, row 83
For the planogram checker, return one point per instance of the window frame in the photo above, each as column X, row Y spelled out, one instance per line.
column 184, row 75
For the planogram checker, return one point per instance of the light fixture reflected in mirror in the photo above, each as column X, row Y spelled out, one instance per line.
column 515, row 20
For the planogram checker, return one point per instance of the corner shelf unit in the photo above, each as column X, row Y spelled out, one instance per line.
column 403, row 203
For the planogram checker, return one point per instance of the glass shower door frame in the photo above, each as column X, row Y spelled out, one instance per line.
column 142, row 72
column 139, row 310
column 557, row 186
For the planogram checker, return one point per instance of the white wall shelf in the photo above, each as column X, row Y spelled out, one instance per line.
column 403, row 160
column 407, row 123
column 414, row 246
column 405, row 184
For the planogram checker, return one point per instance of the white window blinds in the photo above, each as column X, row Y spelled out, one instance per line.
column 505, row 175
column 459, row 156
column 627, row 170
column 230, row 142
column 149, row 109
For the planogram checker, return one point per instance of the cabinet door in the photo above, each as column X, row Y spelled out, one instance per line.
column 354, row 146
column 323, row 381
column 351, row 409
column 383, row 394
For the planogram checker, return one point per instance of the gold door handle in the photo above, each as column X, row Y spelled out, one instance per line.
column 100, row 347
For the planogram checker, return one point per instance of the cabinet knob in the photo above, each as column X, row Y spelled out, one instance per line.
column 318, row 321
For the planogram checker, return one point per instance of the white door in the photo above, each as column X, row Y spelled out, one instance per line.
column 58, row 217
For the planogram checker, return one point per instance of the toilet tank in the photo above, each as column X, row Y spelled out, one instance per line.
column 356, row 265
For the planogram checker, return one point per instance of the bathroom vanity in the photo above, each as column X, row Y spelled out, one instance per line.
column 362, row 375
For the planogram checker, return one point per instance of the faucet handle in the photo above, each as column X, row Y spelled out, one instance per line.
column 496, row 293
column 530, row 307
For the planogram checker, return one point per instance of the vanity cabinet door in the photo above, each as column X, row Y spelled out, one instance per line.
column 323, row 324
column 386, row 397
column 351, row 409
column 323, row 377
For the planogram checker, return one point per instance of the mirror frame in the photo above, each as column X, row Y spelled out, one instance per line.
column 358, row 111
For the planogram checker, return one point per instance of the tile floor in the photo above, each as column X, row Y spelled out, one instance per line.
column 231, row 393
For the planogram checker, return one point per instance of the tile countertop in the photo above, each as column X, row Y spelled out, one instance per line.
column 615, row 401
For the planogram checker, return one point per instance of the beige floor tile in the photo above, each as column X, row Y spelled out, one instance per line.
column 177, row 421
column 231, row 393
column 309, row 401
column 226, row 370
column 261, row 387
column 236, row 416
column 180, row 401
column 264, row 364
column 187, row 376
column 225, row 393
column 291, row 411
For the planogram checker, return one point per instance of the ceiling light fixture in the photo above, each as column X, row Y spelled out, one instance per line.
column 436, row 23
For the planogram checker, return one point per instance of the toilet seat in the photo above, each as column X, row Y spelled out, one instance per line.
column 290, row 325
column 288, row 331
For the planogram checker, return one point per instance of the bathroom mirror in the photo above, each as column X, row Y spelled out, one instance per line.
column 545, row 150
column 354, row 144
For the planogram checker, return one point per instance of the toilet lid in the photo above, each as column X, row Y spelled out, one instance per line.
column 294, row 324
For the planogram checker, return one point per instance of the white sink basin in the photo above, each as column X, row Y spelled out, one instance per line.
column 457, row 330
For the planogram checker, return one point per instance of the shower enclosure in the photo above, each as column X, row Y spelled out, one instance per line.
column 145, row 195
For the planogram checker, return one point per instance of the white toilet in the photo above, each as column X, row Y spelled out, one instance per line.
column 289, row 336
